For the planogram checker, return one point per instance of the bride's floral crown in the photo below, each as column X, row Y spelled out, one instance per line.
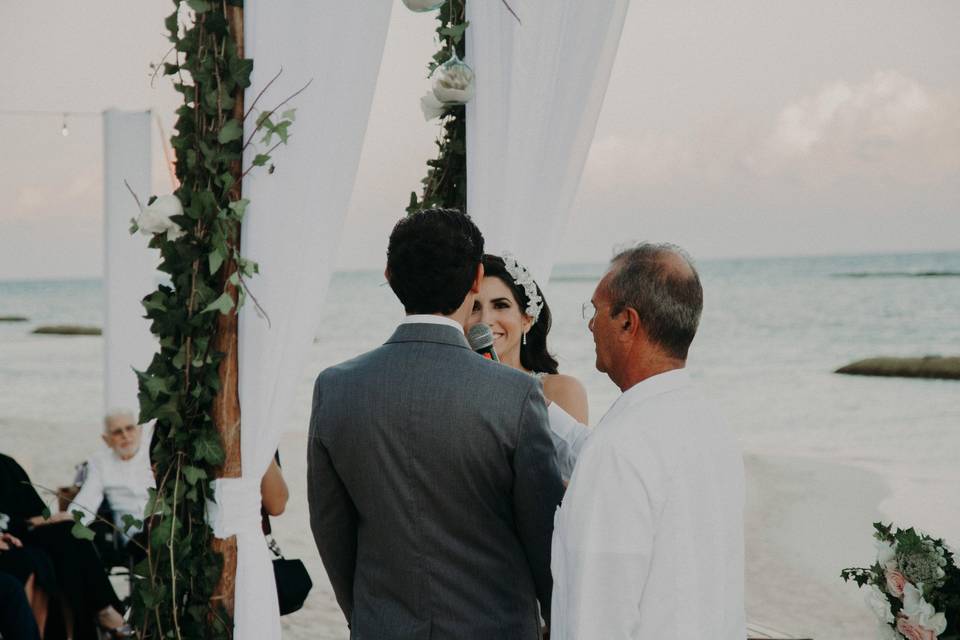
column 523, row 279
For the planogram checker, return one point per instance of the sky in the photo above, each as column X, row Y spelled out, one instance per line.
column 736, row 129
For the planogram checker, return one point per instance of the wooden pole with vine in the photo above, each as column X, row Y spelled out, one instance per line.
column 226, row 404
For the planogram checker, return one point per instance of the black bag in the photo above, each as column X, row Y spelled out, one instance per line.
column 293, row 581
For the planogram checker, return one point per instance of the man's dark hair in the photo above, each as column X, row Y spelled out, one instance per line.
column 660, row 282
column 432, row 260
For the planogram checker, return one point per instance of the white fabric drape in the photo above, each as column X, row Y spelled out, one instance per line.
column 292, row 229
column 129, row 269
column 540, row 86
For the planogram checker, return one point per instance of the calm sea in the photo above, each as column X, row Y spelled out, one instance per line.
column 773, row 331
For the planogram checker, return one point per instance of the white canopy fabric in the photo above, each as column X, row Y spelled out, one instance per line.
column 292, row 229
column 129, row 270
column 540, row 84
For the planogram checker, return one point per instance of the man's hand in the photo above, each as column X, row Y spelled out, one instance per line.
column 9, row 541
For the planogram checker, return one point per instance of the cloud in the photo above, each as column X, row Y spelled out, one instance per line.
column 889, row 127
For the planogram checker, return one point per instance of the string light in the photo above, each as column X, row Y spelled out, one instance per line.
column 64, row 131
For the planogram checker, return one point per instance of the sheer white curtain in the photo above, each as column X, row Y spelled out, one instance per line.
column 129, row 269
column 292, row 229
column 540, row 86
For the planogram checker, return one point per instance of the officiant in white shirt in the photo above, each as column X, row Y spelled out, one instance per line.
column 648, row 543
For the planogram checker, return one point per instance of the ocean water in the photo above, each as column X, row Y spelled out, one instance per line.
column 772, row 332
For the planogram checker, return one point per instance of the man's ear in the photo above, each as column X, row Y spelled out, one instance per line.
column 106, row 439
column 386, row 273
column 629, row 321
column 475, row 287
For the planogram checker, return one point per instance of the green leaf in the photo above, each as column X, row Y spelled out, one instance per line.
column 216, row 258
column 156, row 386
column 129, row 522
column 223, row 304
column 231, row 130
column 45, row 512
column 260, row 160
column 194, row 474
column 200, row 6
column 239, row 208
column 208, row 449
column 134, row 227
column 81, row 531
column 289, row 114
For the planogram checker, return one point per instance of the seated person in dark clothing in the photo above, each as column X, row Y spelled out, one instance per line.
column 32, row 571
column 16, row 618
column 82, row 581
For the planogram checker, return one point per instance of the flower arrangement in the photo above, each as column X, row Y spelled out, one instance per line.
column 913, row 587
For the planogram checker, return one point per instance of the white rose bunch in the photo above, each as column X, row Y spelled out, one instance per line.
column 920, row 613
column 156, row 217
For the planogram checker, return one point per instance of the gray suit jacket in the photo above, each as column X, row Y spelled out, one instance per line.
column 433, row 484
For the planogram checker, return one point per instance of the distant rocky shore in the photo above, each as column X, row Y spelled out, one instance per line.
column 68, row 330
column 944, row 368
column 13, row 319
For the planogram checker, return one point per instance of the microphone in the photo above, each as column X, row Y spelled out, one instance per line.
column 481, row 340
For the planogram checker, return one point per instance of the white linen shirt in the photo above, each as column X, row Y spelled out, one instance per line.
column 125, row 483
column 648, row 543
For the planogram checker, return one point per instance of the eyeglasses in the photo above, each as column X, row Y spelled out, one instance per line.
column 588, row 310
column 116, row 433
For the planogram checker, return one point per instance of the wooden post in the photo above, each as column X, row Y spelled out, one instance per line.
column 226, row 407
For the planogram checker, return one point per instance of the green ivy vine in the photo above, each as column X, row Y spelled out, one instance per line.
column 172, row 588
column 445, row 184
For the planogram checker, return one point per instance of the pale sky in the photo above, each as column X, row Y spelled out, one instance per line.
column 744, row 128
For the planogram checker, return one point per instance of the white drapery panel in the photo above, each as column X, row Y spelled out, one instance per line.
column 129, row 270
column 292, row 229
column 540, row 86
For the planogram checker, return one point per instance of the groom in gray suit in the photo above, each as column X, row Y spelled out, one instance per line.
column 432, row 476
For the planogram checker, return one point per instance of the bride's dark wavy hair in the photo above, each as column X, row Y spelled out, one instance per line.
column 533, row 355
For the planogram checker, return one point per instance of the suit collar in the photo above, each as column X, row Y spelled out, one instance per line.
column 436, row 333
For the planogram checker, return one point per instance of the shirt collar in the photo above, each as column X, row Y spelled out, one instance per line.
column 652, row 386
column 423, row 318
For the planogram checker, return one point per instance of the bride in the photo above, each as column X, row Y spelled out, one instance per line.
column 512, row 305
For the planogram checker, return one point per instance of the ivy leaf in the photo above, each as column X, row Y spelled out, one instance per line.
column 216, row 258
column 200, row 6
column 155, row 386
column 134, row 227
column 209, row 449
column 80, row 530
column 223, row 304
column 289, row 114
column 129, row 522
column 194, row 474
column 231, row 130
column 260, row 160
column 239, row 207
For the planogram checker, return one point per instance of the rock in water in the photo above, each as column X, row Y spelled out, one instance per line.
column 68, row 330
column 927, row 367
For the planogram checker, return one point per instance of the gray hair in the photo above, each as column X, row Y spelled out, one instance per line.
column 660, row 282
column 118, row 413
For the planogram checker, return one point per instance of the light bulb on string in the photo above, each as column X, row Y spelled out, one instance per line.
column 63, row 130
column 421, row 6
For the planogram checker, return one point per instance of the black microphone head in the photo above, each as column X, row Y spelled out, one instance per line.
column 480, row 337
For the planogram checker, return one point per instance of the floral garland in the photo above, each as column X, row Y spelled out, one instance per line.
column 445, row 184
column 197, row 231
column 914, row 586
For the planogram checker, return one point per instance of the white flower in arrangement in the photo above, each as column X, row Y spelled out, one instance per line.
column 423, row 5
column 878, row 603
column 453, row 82
column 920, row 613
column 886, row 554
column 431, row 107
column 155, row 217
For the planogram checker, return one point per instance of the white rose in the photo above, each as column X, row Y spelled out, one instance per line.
column 878, row 603
column 431, row 107
column 155, row 217
column 921, row 613
column 886, row 554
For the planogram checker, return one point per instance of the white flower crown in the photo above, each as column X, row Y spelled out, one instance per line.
column 525, row 281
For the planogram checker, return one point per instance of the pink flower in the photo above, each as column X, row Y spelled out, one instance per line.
column 914, row 632
column 895, row 583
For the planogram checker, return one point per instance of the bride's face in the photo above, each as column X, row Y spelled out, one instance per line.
column 496, row 307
